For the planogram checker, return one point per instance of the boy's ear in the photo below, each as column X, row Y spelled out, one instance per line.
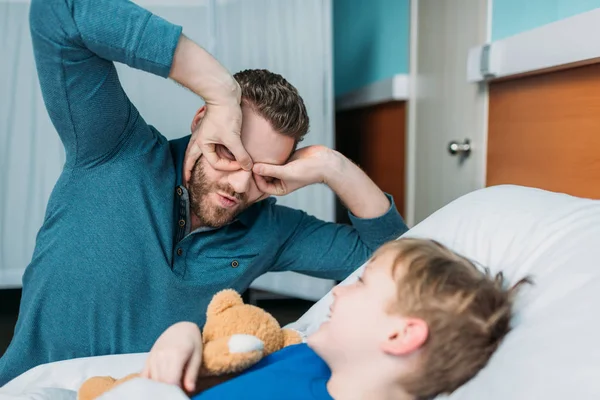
column 198, row 117
column 408, row 335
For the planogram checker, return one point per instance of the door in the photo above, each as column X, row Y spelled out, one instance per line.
column 444, row 108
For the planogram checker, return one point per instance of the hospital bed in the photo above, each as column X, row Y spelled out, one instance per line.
column 551, row 353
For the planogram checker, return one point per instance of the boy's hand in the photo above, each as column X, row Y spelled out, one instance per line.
column 176, row 356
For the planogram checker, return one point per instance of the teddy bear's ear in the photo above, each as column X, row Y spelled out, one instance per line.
column 223, row 300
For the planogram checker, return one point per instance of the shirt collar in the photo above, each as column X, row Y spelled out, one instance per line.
column 249, row 215
column 178, row 147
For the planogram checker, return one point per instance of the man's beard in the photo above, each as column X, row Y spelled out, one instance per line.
column 210, row 214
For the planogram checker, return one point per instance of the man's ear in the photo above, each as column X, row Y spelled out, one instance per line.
column 198, row 117
column 408, row 335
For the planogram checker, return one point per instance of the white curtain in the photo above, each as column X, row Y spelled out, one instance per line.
column 31, row 155
column 290, row 37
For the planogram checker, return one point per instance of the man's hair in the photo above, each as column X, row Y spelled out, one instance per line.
column 468, row 313
column 276, row 100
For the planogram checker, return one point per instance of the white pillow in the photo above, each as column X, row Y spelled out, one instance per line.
column 552, row 352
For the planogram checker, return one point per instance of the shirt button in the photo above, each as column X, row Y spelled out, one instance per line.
column 235, row 264
column 179, row 251
column 182, row 222
column 179, row 191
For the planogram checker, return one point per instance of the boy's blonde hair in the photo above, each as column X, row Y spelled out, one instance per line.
column 467, row 311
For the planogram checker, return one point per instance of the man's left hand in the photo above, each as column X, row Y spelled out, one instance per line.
column 307, row 166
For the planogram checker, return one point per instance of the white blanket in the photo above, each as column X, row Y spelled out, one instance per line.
column 552, row 352
column 61, row 380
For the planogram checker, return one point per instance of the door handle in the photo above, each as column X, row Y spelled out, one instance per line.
column 457, row 148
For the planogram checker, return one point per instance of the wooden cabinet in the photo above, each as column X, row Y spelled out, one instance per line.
column 374, row 138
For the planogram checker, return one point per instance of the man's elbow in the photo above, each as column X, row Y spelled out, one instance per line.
column 44, row 16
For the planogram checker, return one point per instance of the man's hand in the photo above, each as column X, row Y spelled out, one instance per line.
column 176, row 356
column 319, row 164
column 194, row 68
column 306, row 167
column 220, row 125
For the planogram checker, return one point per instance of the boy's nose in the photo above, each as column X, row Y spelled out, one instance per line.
column 337, row 290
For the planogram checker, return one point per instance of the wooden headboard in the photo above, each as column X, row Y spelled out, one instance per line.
column 544, row 131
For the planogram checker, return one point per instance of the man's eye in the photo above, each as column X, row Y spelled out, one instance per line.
column 225, row 152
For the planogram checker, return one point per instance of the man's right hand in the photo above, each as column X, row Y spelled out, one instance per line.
column 176, row 356
column 221, row 125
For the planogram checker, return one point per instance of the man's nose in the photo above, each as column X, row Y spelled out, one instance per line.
column 240, row 180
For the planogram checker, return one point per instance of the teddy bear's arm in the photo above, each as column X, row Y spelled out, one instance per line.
column 291, row 337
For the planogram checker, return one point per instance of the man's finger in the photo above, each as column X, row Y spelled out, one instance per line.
column 269, row 170
column 192, row 154
column 225, row 164
column 217, row 162
column 275, row 187
column 263, row 185
column 236, row 147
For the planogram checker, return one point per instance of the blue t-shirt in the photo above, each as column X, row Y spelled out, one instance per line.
column 296, row 372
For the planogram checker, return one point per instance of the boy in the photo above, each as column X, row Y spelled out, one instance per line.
column 421, row 321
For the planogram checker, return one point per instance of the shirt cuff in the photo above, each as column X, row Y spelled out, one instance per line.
column 379, row 230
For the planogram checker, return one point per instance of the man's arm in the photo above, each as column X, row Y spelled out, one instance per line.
column 356, row 190
column 328, row 250
column 75, row 43
column 319, row 164
column 320, row 248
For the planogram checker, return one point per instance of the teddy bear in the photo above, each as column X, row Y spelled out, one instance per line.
column 235, row 337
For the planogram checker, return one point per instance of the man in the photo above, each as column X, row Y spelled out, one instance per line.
column 139, row 233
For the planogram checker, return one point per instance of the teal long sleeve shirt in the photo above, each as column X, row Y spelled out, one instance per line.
column 112, row 266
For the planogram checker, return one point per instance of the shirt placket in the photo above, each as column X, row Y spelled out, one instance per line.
column 181, row 230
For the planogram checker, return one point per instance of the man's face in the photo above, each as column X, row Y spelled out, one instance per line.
column 359, row 318
column 216, row 197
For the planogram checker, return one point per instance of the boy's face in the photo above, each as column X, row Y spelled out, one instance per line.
column 361, row 329
column 359, row 321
